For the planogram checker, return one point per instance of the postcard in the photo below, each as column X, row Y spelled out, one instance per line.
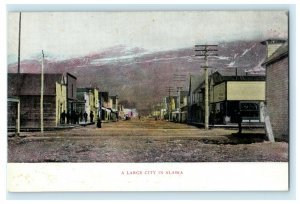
column 148, row 101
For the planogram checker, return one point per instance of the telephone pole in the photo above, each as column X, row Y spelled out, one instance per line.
column 169, row 89
column 42, row 94
column 179, row 108
column 179, row 78
column 19, row 44
column 18, row 81
column 206, row 51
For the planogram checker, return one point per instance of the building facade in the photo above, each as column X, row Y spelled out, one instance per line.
column 88, row 101
column 71, row 92
column 195, row 107
column 277, row 88
column 230, row 92
column 233, row 94
column 27, row 88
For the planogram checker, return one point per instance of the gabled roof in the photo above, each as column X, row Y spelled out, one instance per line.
column 30, row 84
column 280, row 53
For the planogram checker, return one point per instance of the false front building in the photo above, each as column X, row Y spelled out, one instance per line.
column 88, row 101
column 230, row 91
column 230, row 94
column 27, row 88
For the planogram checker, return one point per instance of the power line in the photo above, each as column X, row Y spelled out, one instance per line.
column 169, row 89
column 19, row 44
column 206, row 51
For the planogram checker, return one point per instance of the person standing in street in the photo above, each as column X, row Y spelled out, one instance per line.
column 91, row 116
column 85, row 115
column 240, row 119
column 62, row 117
column 68, row 117
column 80, row 116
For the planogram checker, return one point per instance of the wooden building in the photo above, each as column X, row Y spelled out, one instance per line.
column 195, row 107
column 230, row 94
column 277, row 87
column 71, row 92
column 170, row 107
column 230, row 91
column 27, row 88
column 88, row 101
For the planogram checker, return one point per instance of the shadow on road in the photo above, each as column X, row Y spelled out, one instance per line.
column 235, row 139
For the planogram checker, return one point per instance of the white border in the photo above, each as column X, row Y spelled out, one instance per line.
column 45, row 177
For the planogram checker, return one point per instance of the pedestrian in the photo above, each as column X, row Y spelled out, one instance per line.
column 62, row 117
column 73, row 117
column 80, row 116
column 68, row 117
column 85, row 115
column 239, row 120
column 99, row 125
column 218, row 117
column 212, row 117
column 91, row 116
column 77, row 117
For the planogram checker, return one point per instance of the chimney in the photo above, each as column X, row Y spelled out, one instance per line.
column 272, row 45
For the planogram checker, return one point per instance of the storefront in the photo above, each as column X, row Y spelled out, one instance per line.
column 230, row 97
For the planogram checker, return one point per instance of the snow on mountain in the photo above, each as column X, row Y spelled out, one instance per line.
column 136, row 74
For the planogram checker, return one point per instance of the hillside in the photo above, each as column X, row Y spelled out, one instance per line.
column 140, row 76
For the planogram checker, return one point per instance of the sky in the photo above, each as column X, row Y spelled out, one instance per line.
column 64, row 35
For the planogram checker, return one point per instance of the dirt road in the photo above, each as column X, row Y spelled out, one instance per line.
column 145, row 140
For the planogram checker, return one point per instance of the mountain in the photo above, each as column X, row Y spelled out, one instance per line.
column 140, row 76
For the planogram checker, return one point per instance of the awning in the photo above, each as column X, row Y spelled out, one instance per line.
column 105, row 109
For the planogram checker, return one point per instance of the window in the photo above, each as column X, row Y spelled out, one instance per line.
column 250, row 110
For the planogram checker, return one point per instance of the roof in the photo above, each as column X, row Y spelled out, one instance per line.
column 30, row 84
column 228, row 74
column 232, row 71
column 273, row 41
column 114, row 97
column 221, row 77
column 80, row 92
column 280, row 53
column 68, row 74
column 86, row 89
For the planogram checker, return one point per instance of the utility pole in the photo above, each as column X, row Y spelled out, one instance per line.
column 18, row 121
column 206, row 51
column 42, row 94
column 179, row 78
column 19, row 44
column 169, row 89
column 178, row 101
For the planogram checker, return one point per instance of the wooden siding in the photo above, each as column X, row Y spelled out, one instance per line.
column 277, row 98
